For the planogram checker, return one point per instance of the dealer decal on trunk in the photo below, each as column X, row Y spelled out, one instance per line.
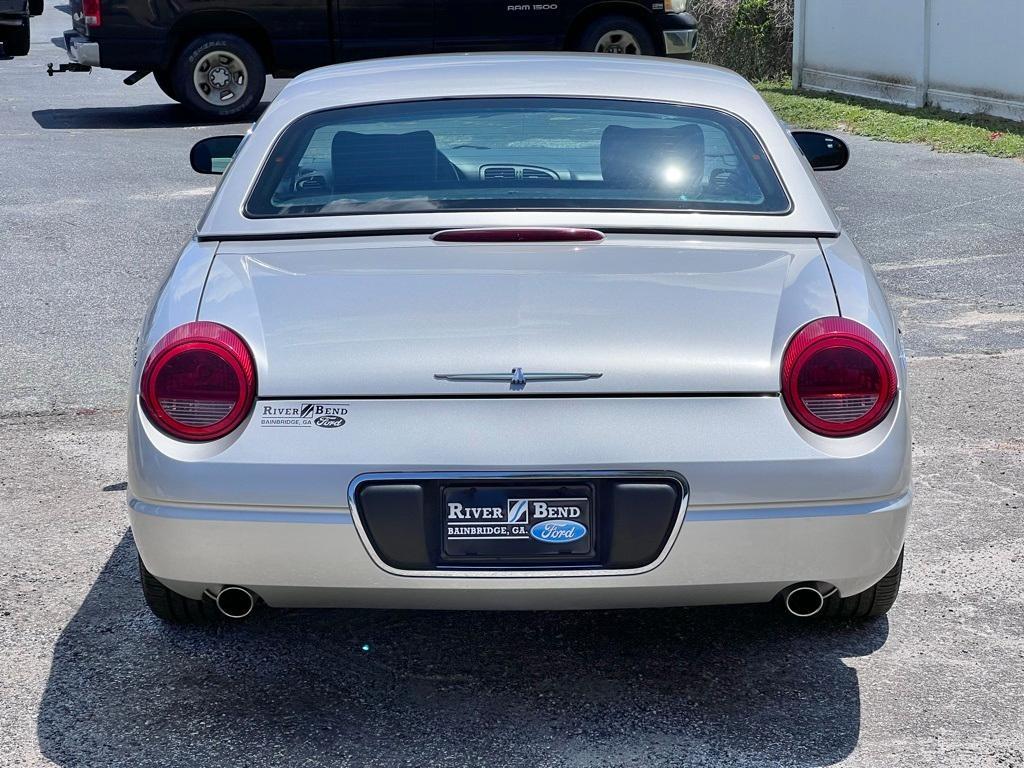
column 322, row 415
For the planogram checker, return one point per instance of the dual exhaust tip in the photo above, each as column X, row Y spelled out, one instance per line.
column 801, row 600
column 807, row 599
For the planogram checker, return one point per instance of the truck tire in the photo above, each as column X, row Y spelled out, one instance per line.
column 16, row 40
column 219, row 76
column 874, row 601
column 166, row 84
column 171, row 607
column 36, row 7
column 617, row 34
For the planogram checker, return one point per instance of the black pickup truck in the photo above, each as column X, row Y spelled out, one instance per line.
column 214, row 55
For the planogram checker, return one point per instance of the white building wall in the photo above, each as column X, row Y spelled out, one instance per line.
column 964, row 56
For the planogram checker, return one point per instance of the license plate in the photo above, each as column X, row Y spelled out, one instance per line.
column 518, row 523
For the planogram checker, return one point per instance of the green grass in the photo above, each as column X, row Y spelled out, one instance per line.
column 943, row 131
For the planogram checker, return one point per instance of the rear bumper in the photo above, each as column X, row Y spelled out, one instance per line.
column 268, row 508
column 81, row 50
column 318, row 559
column 117, row 52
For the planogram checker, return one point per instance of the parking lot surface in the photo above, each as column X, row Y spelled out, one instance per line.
column 97, row 199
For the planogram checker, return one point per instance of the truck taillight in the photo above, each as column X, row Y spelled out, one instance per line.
column 91, row 13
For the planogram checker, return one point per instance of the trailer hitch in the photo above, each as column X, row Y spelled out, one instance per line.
column 72, row 66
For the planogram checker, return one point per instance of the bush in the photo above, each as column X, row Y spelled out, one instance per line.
column 753, row 37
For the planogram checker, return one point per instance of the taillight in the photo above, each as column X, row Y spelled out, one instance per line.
column 519, row 235
column 199, row 382
column 837, row 377
column 91, row 13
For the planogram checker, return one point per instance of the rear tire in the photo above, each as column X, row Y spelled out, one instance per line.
column 16, row 40
column 617, row 34
column 872, row 602
column 219, row 76
column 166, row 84
column 171, row 607
column 36, row 7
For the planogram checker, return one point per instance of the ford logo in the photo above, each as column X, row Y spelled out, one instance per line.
column 557, row 531
column 330, row 422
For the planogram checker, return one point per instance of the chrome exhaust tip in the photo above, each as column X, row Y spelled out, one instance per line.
column 235, row 602
column 806, row 600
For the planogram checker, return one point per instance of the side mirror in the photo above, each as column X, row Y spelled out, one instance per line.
column 213, row 155
column 823, row 152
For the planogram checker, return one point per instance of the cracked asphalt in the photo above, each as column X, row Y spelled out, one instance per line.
column 97, row 198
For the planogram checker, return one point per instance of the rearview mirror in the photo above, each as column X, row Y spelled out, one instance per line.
column 214, row 154
column 823, row 151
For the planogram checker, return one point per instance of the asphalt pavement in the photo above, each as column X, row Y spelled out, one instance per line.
column 96, row 198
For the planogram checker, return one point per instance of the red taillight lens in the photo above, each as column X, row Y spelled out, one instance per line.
column 837, row 377
column 91, row 13
column 199, row 382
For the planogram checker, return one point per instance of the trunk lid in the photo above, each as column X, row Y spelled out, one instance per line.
column 382, row 316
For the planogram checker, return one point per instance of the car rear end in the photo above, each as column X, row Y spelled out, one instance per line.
column 573, row 414
column 691, row 495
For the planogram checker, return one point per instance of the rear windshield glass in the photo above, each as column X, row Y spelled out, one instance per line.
column 516, row 153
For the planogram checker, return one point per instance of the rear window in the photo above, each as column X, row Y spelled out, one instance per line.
column 516, row 153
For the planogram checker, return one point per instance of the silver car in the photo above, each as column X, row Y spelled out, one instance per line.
column 547, row 331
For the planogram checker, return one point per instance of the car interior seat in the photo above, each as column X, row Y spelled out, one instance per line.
column 655, row 159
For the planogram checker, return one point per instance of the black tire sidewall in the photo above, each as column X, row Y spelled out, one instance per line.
column 165, row 82
column 600, row 27
column 873, row 602
column 36, row 7
column 185, row 90
column 171, row 607
column 16, row 40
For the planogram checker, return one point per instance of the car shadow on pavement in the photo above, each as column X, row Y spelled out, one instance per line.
column 142, row 116
column 711, row 686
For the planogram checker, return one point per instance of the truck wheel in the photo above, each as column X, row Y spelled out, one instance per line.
column 219, row 77
column 171, row 607
column 874, row 601
column 617, row 34
column 36, row 7
column 166, row 83
column 16, row 40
